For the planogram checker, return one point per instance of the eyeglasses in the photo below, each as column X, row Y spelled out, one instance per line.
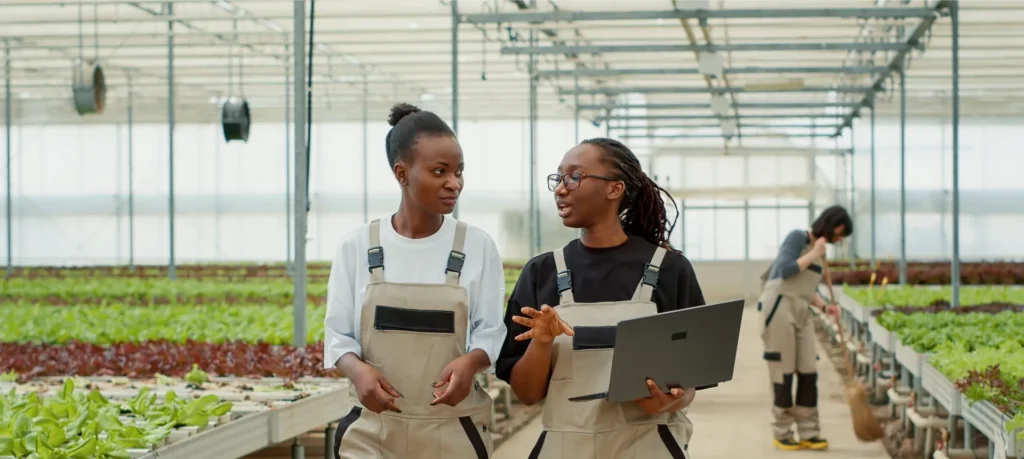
column 572, row 180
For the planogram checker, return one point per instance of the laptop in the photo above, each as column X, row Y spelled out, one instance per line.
column 692, row 347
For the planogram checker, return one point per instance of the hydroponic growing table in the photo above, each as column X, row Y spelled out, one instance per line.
column 986, row 329
column 264, row 411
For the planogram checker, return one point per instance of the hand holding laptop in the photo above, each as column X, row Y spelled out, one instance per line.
column 676, row 399
column 544, row 324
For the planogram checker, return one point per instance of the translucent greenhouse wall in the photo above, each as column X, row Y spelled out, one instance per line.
column 70, row 189
column 991, row 189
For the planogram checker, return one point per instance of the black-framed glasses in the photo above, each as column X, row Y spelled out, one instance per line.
column 572, row 180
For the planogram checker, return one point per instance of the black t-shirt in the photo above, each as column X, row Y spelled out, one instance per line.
column 598, row 275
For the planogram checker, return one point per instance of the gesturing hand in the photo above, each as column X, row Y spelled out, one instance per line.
column 455, row 382
column 659, row 401
column 544, row 324
column 374, row 391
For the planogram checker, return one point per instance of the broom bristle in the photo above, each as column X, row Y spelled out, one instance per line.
column 865, row 424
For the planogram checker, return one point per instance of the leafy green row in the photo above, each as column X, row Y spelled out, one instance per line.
column 78, row 425
column 233, row 269
column 982, row 353
column 991, row 374
column 926, row 332
column 956, row 360
column 924, row 296
column 163, row 291
column 151, row 290
column 117, row 323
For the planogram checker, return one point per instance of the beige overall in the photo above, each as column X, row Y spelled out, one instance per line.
column 410, row 332
column 581, row 365
column 789, row 348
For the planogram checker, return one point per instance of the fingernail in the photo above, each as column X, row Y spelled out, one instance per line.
column 398, row 411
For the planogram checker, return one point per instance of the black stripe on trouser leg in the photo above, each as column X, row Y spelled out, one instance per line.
column 343, row 425
column 784, row 392
column 775, row 308
column 474, row 437
column 807, row 390
column 670, row 442
column 535, row 452
column 815, row 268
column 773, row 356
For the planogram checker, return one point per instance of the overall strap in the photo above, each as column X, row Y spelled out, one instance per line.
column 375, row 255
column 563, row 278
column 645, row 291
column 457, row 258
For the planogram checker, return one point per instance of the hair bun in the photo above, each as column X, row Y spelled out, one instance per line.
column 399, row 111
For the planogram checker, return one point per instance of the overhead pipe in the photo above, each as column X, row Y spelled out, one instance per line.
column 707, row 78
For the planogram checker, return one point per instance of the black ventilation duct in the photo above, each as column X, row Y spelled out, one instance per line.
column 234, row 118
column 90, row 94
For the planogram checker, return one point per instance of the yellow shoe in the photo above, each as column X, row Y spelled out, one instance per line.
column 786, row 444
column 815, row 443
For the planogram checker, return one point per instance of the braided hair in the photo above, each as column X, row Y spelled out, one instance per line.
column 642, row 210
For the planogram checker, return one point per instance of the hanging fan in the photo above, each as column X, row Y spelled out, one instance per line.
column 90, row 94
column 89, row 89
column 234, row 114
column 235, row 120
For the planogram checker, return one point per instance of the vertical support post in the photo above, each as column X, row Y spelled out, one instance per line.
column 455, row 79
column 532, row 71
column 7, row 140
column 903, row 177
column 954, row 10
column 837, row 190
column 576, row 118
column 812, row 174
column 366, row 150
column 329, row 440
column 299, row 269
column 131, row 176
column 218, row 160
column 287, row 165
column 853, row 193
column 118, row 153
column 171, row 268
column 943, row 234
column 874, row 209
column 746, row 214
column 576, row 106
column 682, row 220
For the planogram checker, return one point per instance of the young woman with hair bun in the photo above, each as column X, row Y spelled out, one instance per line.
column 414, row 310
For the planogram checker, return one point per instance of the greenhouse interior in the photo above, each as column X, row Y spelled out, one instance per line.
column 171, row 276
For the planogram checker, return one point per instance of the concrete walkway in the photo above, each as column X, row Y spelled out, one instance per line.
column 733, row 420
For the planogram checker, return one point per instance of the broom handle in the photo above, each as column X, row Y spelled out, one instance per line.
column 839, row 326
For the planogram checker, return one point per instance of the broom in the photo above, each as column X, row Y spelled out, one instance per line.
column 865, row 424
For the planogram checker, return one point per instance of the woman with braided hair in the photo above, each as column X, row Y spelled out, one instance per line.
column 593, row 283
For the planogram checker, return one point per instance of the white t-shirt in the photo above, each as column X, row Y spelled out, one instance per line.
column 415, row 261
